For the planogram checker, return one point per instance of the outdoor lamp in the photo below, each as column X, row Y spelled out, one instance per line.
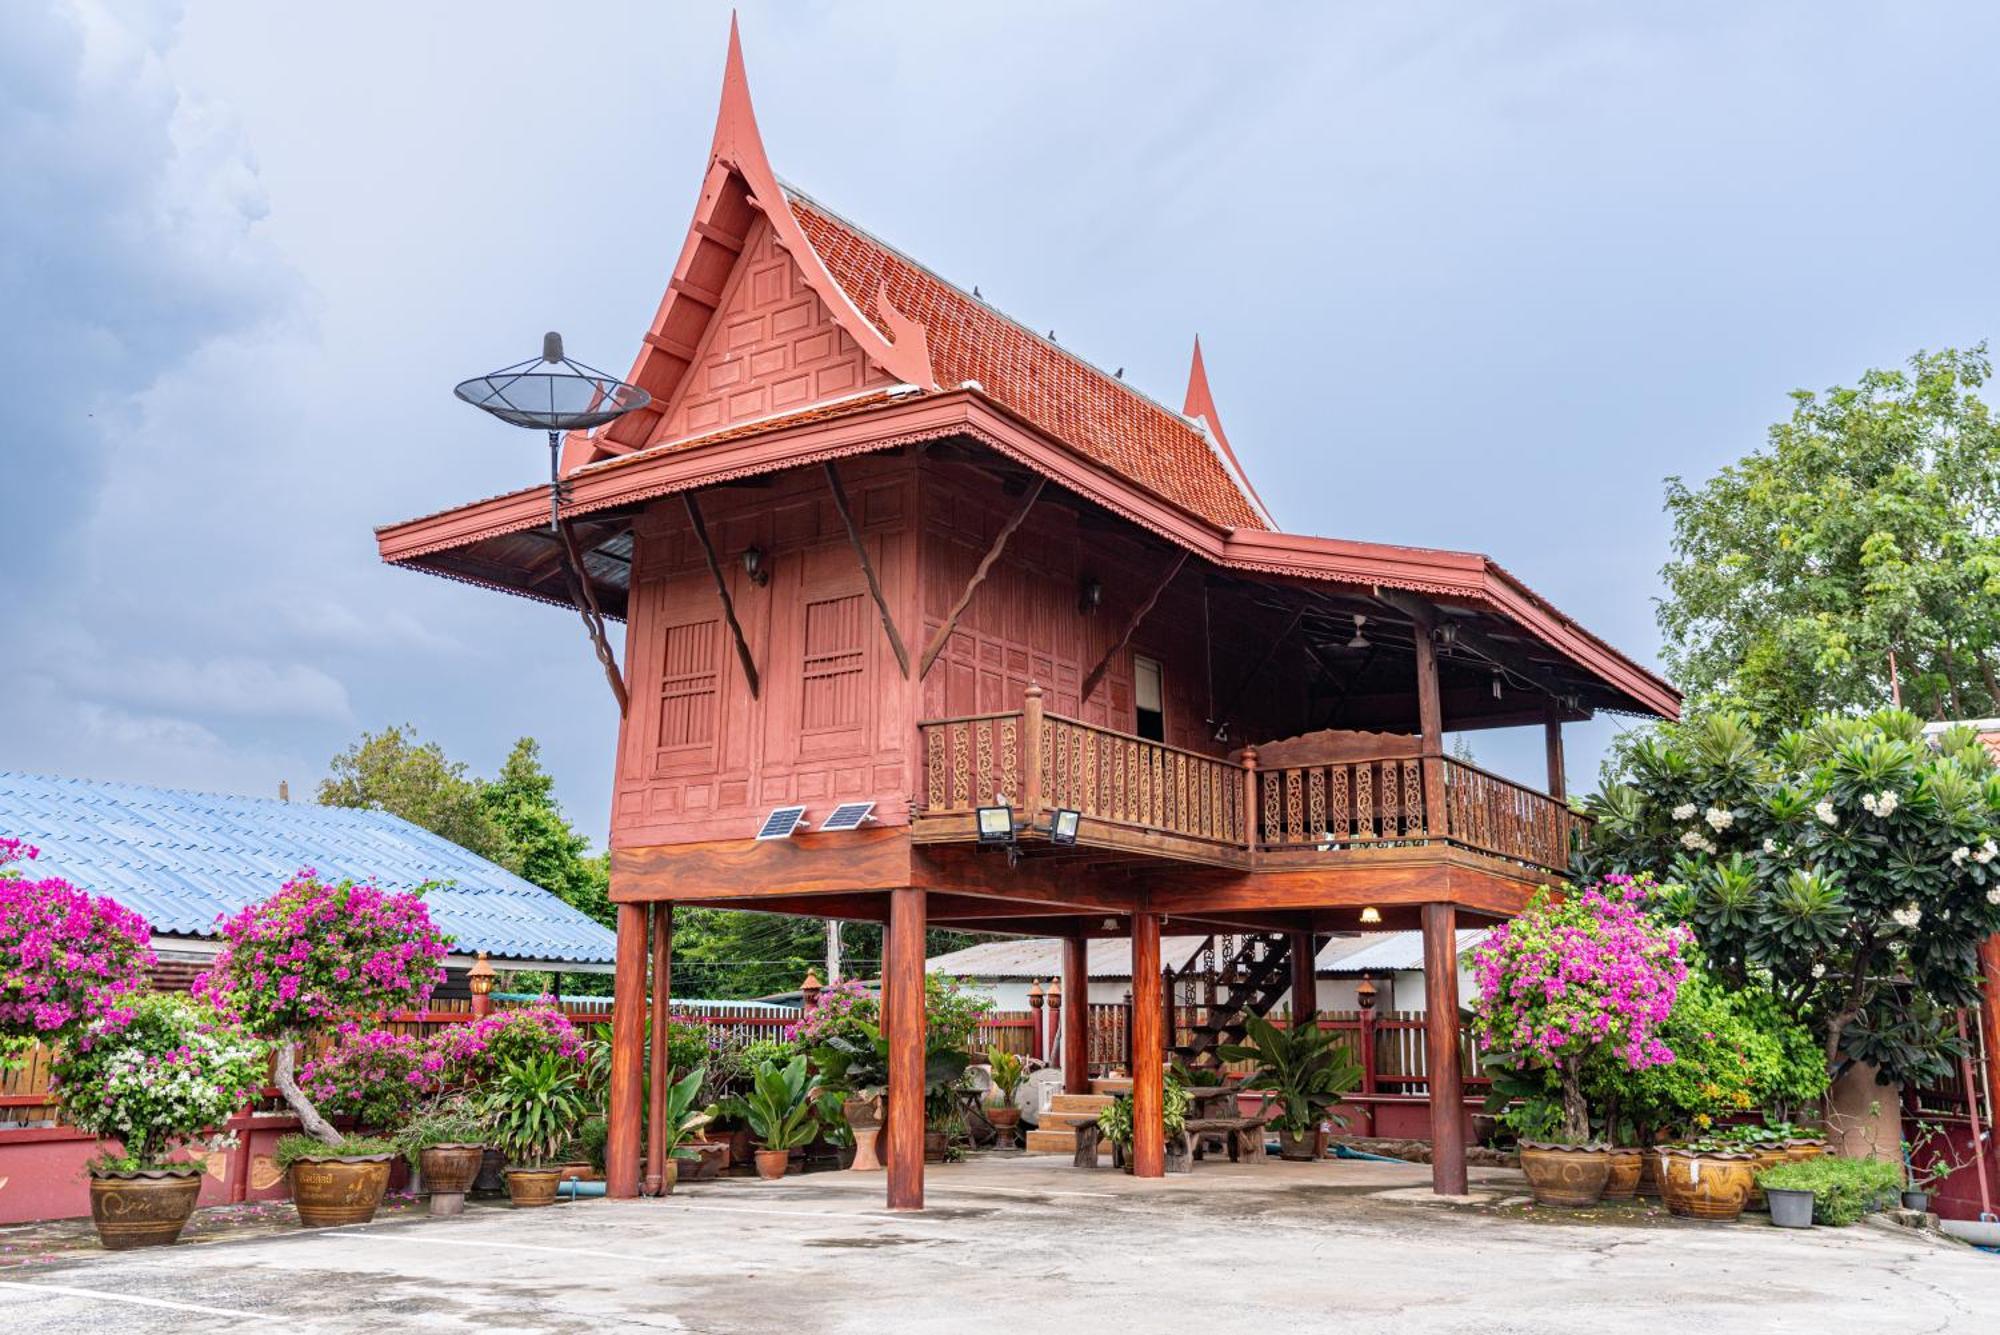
column 996, row 824
column 480, row 977
column 1371, row 914
column 1090, row 596
column 1365, row 994
column 1062, row 826
column 753, row 566
column 810, row 989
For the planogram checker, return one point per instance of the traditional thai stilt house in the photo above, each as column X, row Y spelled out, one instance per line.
column 875, row 542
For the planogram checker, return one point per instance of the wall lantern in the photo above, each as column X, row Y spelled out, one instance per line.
column 1090, row 596
column 1365, row 994
column 481, row 977
column 1447, row 634
column 754, row 567
column 996, row 824
column 810, row 989
column 1371, row 914
column 1063, row 826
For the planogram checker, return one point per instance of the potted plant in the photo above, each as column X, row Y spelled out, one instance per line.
column 1706, row 1179
column 1929, row 1140
column 1008, row 1073
column 1306, row 1068
column 1836, row 1191
column 155, row 1082
column 781, row 1112
column 445, row 1145
column 530, row 1112
column 1115, row 1122
column 854, row 1063
column 683, row 1122
column 1570, row 988
column 291, row 966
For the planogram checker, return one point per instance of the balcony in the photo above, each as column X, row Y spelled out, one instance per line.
column 1147, row 798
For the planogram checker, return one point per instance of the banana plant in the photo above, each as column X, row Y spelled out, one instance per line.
column 782, row 1107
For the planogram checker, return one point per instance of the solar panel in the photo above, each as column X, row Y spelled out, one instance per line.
column 781, row 822
column 848, row 816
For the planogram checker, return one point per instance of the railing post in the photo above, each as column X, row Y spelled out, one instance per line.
column 1367, row 1044
column 1250, row 800
column 1035, row 1014
column 1031, row 752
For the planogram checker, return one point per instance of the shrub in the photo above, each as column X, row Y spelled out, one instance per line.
column 314, row 954
column 371, row 1075
column 155, row 1078
column 448, row 1122
column 1843, row 1189
column 471, row 1055
column 68, row 958
column 533, row 1109
column 301, row 1145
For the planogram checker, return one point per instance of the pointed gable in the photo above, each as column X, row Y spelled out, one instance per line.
column 771, row 348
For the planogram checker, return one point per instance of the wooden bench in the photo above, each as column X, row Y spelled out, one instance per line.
column 1245, row 1140
column 1243, row 1137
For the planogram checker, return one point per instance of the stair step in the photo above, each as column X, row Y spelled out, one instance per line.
column 1080, row 1103
column 1053, row 1119
column 1112, row 1084
column 1056, row 1142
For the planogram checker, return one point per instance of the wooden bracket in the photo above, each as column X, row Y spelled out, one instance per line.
column 585, row 599
column 867, row 567
column 722, row 591
column 1139, row 614
column 943, row 633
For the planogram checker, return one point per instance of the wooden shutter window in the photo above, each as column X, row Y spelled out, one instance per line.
column 834, row 665
column 689, row 689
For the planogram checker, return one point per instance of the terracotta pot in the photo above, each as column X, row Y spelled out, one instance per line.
column 1628, row 1165
column 771, row 1164
column 935, row 1144
column 739, row 1148
column 142, row 1209
column 489, row 1182
column 1798, row 1151
column 449, row 1172
column 338, row 1190
column 1298, row 1147
column 532, row 1188
column 864, row 1120
column 1572, row 1176
column 580, row 1171
column 711, row 1157
column 1004, row 1119
column 1712, row 1186
column 1649, row 1176
column 1768, row 1156
column 670, row 1175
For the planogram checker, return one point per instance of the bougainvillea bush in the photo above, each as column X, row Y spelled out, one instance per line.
column 160, row 1078
column 372, row 1075
column 316, row 954
column 1573, row 984
column 68, row 959
column 468, row 1055
column 1852, row 865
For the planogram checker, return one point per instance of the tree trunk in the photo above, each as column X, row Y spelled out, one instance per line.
column 1576, row 1112
column 295, row 1098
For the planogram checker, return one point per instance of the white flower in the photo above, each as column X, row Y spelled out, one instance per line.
column 1819, row 971
column 1696, row 839
column 1908, row 916
column 1993, row 895
column 1825, row 811
column 1986, row 852
column 1685, row 811
column 1886, row 803
column 1720, row 818
column 1959, row 855
column 1770, row 844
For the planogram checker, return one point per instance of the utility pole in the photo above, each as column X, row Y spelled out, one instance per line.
column 832, row 950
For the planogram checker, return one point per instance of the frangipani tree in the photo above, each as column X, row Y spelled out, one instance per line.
column 1578, row 983
column 69, row 960
column 1852, row 865
column 316, row 954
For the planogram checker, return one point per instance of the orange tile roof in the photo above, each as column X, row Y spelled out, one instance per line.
column 1100, row 417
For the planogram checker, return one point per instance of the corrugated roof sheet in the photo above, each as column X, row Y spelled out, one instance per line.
column 1111, row 957
column 184, row 859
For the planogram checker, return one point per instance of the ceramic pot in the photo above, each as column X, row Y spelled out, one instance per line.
column 1004, row 1119
column 864, row 1120
column 934, row 1146
column 1768, row 1156
column 1572, row 1176
column 771, row 1164
column 1628, row 1164
column 1712, row 1186
column 670, row 1175
column 1295, row 1146
column 532, row 1188
column 142, row 1209
column 1798, row 1151
column 1790, row 1209
column 711, row 1157
column 449, row 1172
column 1649, row 1176
column 491, row 1164
column 338, row 1190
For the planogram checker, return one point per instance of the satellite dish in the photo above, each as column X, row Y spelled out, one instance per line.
column 573, row 397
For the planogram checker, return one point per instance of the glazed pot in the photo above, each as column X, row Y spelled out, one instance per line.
column 1572, row 1176
column 1004, row 1119
column 1628, row 1164
column 491, row 1164
column 864, row 1120
column 1790, row 1209
column 670, row 1176
column 935, row 1144
column 771, row 1164
column 146, row 1209
column 711, row 1157
column 1296, row 1146
column 338, row 1190
column 449, row 1172
column 1768, row 1156
column 1649, row 1176
column 1798, row 1151
column 1706, row 1185
column 532, row 1188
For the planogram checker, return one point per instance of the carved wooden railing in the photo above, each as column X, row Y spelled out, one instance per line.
column 1037, row 762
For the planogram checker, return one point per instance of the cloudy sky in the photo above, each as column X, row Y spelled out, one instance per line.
column 1466, row 275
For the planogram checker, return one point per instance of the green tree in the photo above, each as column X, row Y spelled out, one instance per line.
column 1868, row 527
column 393, row 771
column 547, row 849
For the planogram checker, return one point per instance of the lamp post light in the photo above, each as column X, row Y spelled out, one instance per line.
column 480, row 978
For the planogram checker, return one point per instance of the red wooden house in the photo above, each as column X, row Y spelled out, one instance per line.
column 874, row 541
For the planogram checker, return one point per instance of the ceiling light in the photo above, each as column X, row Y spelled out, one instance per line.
column 1360, row 641
column 1371, row 914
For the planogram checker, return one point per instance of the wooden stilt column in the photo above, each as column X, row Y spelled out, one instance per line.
column 1989, row 1020
column 1076, row 1005
column 656, row 1093
column 1447, row 1081
column 1552, row 738
column 903, row 1018
column 628, row 1054
column 1305, row 979
column 1430, row 723
column 1149, row 1073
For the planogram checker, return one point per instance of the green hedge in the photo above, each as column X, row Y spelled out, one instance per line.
column 1843, row 1189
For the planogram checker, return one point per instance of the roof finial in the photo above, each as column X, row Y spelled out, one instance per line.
column 1201, row 403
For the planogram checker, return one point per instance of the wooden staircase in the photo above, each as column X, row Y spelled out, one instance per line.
column 1226, row 980
column 1057, row 1132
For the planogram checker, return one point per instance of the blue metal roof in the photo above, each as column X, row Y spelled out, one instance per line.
column 185, row 859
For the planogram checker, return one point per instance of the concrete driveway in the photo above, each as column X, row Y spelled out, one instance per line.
column 1032, row 1245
